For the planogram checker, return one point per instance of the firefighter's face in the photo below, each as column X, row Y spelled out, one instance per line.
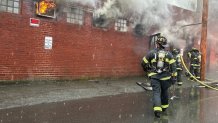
column 159, row 46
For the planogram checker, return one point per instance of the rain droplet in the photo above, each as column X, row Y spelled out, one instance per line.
column 80, row 108
column 120, row 116
column 143, row 115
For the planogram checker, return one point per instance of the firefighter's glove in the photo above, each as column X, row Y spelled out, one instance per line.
column 173, row 80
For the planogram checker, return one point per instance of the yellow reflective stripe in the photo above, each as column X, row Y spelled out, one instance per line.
column 172, row 61
column 178, row 58
column 195, row 65
column 145, row 60
column 153, row 60
column 157, row 109
column 189, row 54
column 179, row 68
column 167, row 60
column 165, row 106
column 174, row 74
column 166, row 78
column 151, row 74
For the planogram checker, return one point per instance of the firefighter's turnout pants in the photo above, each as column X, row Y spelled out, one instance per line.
column 160, row 93
column 195, row 71
column 179, row 75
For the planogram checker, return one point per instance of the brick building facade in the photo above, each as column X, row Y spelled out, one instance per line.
column 78, row 51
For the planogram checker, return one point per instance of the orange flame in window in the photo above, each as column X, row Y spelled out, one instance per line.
column 44, row 5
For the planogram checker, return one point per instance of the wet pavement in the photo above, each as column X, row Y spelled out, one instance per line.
column 103, row 101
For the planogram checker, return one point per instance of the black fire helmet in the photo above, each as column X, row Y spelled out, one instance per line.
column 162, row 41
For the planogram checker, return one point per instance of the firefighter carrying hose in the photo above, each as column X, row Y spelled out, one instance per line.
column 177, row 55
column 194, row 56
column 160, row 66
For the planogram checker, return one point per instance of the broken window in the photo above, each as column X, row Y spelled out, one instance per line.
column 121, row 25
column 76, row 16
column 12, row 6
column 46, row 8
column 100, row 21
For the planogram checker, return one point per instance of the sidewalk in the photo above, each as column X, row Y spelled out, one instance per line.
column 38, row 92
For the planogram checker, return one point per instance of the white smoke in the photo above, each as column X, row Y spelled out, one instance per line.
column 109, row 9
column 213, row 10
column 161, row 16
column 147, row 12
column 152, row 14
column 83, row 2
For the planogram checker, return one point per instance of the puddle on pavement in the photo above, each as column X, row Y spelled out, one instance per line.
column 193, row 105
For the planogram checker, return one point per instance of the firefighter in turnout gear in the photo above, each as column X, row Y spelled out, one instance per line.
column 194, row 56
column 160, row 66
column 177, row 55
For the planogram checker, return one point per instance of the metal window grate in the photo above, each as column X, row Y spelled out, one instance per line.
column 12, row 6
column 76, row 16
column 121, row 25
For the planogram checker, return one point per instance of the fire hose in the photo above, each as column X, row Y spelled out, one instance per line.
column 202, row 83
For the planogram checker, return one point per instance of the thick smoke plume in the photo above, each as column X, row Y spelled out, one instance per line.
column 147, row 17
column 150, row 15
column 83, row 2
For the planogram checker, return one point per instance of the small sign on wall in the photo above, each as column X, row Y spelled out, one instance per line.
column 48, row 42
column 34, row 22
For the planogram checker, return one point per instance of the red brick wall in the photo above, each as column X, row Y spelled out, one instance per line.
column 78, row 51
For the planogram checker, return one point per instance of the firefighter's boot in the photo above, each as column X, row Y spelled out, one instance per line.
column 157, row 114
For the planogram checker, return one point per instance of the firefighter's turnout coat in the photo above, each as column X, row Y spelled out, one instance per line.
column 179, row 68
column 195, row 61
column 160, row 66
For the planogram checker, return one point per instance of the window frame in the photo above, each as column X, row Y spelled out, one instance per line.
column 37, row 10
column 121, row 25
column 11, row 6
column 75, row 15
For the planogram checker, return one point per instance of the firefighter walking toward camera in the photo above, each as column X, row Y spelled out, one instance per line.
column 194, row 56
column 160, row 66
column 177, row 57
